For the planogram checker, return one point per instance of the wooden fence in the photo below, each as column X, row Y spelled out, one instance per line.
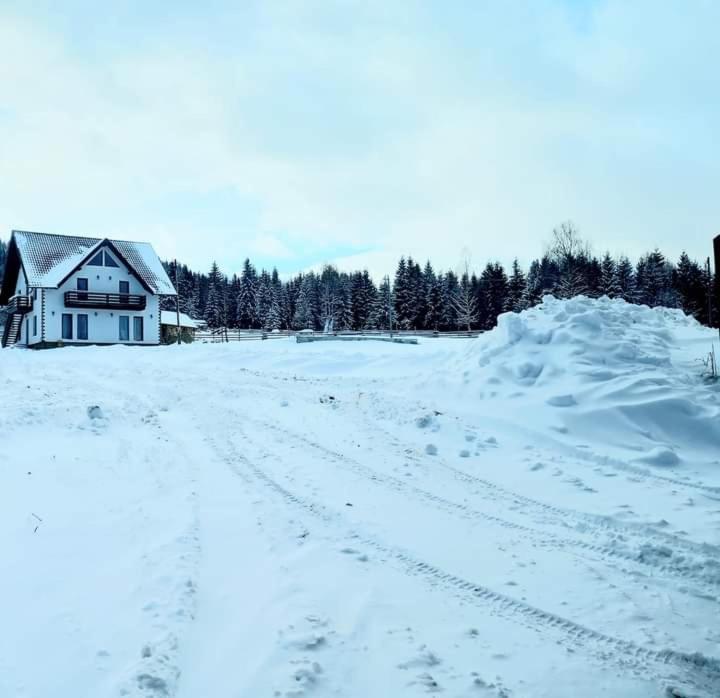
column 225, row 334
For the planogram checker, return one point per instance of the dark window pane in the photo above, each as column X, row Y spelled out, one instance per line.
column 34, row 325
column 82, row 285
column 67, row 326
column 109, row 261
column 137, row 329
column 82, row 326
column 97, row 260
column 124, row 287
column 124, row 328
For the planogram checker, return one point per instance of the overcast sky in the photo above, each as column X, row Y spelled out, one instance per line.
column 302, row 132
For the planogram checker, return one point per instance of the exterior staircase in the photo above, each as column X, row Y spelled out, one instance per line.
column 18, row 306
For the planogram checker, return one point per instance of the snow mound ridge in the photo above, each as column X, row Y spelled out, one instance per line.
column 623, row 377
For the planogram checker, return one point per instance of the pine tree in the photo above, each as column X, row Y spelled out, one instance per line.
column 403, row 296
column 416, row 296
column 516, row 289
column 214, row 307
column 691, row 287
column 303, row 317
column 433, row 298
column 449, row 290
column 197, row 309
column 465, row 304
column 382, row 315
column 263, row 299
column 571, row 282
column 626, row 280
column 344, row 306
column 609, row 282
column 245, row 303
column 494, row 291
column 654, row 281
column 592, row 273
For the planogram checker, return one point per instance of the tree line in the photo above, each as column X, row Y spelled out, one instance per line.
column 419, row 297
column 423, row 298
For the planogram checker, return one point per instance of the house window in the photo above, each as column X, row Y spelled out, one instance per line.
column 67, row 326
column 82, row 326
column 124, row 328
column 138, row 329
column 82, row 285
column 97, row 260
column 109, row 261
column 124, row 287
column 34, row 294
column 34, row 325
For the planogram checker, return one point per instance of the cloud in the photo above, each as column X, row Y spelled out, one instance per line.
column 270, row 246
column 387, row 128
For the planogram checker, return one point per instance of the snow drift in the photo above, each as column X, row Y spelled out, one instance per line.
column 624, row 377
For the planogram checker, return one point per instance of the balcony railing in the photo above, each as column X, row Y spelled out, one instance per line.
column 109, row 301
column 20, row 304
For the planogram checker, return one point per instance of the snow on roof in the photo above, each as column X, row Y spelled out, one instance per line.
column 169, row 317
column 48, row 259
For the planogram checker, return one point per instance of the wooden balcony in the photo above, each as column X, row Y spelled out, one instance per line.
column 20, row 305
column 107, row 301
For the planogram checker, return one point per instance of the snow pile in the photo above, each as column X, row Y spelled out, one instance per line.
column 624, row 377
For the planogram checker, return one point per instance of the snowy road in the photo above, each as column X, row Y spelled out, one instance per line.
column 292, row 520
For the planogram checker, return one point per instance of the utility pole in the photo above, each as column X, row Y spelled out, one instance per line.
column 710, row 291
column 177, row 304
column 716, row 249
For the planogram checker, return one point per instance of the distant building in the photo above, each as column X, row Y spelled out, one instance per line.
column 169, row 326
column 61, row 290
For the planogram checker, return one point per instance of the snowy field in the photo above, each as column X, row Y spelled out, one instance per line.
column 531, row 514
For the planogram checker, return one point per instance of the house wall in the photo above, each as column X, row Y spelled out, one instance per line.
column 103, row 325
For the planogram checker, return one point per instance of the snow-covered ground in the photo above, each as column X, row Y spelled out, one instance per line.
column 535, row 513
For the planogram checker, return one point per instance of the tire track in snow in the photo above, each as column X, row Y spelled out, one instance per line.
column 494, row 492
column 636, row 470
column 543, row 539
column 697, row 671
column 570, row 517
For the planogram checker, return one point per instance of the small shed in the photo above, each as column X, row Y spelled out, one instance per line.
column 169, row 325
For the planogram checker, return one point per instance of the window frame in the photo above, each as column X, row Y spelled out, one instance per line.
column 63, row 326
column 86, row 318
column 126, row 319
column 94, row 261
column 82, row 292
column 138, row 320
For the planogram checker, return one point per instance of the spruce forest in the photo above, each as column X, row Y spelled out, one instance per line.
column 421, row 297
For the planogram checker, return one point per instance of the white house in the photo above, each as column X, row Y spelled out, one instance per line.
column 61, row 289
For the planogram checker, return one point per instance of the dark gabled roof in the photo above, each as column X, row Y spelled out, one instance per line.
column 49, row 259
